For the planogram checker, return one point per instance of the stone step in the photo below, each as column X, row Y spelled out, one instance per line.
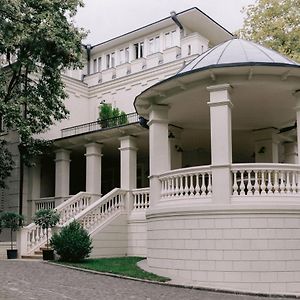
column 32, row 256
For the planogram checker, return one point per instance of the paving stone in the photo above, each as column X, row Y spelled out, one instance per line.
column 26, row 280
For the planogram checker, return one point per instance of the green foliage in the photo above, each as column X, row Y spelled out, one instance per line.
column 126, row 266
column 12, row 221
column 73, row 243
column 33, row 148
column 109, row 116
column 275, row 24
column 6, row 163
column 38, row 40
column 46, row 218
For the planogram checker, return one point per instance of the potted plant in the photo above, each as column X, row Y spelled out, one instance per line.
column 46, row 218
column 12, row 221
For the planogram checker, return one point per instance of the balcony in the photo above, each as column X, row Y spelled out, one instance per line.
column 100, row 125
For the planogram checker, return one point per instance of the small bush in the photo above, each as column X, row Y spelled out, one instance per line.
column 73, row 243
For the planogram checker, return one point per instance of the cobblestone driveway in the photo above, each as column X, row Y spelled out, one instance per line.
column 37, row 280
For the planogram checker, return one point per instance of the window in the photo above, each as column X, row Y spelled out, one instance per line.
column 95, row 65
column 170, row 39
column 138, row 50
column 99, row 64
column 110, row 60
column 124, row 55
column 154, row 45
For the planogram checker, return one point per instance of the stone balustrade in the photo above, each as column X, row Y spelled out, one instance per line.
column 188, row 183
column 265, row 179
column 32, row 236
column 141, row 198
column 97, row 213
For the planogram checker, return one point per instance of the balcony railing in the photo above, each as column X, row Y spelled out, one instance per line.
column 100, row 125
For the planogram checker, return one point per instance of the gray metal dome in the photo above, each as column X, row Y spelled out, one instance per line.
column 237, row 52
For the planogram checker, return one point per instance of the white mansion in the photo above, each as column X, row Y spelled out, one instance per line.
column 203, row 177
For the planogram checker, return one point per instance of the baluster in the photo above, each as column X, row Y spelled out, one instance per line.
column 235, row 185
column 269, row 185
column 162, row 192
column 276, row 183
column 288, row 182
column 249, row 183
column 256, row 184
column 294, row 182
column 197, row 187
column 263, row 183
column 176, row 186
column 281, row 184
column 203, row 186
column 172, row 188
column 209, row 185
column 181, row 186
column 192, row 189
column 186, row 186
column 242, row 184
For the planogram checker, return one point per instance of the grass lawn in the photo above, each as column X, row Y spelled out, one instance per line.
column 125, row 266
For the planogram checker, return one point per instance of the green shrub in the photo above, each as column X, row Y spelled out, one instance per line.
column 73, row 243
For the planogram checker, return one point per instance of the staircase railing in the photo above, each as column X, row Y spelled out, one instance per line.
column 33, row 236
column 98, row 213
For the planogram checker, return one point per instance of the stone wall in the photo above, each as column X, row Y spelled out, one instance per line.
column 242, row 251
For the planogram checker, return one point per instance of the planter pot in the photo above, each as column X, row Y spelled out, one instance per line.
column 48, row 254
column 12, row 253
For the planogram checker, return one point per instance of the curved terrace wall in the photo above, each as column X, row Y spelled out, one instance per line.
column 244, row 247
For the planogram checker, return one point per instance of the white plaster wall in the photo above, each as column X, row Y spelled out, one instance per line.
column 111, row 240
column 241, row 251
column 137, row 238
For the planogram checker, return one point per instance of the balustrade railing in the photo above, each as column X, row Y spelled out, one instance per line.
column 44, row 203
column 100, row 125
column 101, row 210
column 265, row 179
column 36, row 236
column 191, row 182
column 141, row 198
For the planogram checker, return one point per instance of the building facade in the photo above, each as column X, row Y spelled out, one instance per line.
column 202, row 176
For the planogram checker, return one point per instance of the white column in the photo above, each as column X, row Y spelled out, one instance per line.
column 297, row 96
column 221, row 142
column 62, row 173
column 158, row 149
column 93, row 168
column 128, row 152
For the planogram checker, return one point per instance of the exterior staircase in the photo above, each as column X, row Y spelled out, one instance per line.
column 93, row 215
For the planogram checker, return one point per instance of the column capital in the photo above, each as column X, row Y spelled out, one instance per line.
column 127, row 143
column 220, row 87
column 158, row 114
column 62, row 155
column 220, row 95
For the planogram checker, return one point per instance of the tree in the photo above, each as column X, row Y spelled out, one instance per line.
column 275, row 24
column 38, row 40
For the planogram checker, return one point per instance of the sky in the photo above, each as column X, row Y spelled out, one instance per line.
column 106, row 19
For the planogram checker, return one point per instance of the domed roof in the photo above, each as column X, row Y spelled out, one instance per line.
column 237, row 52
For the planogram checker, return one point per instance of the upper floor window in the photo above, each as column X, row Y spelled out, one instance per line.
column 110, row 60
column 124, row 55
column 97, row 62
column 170, row 39
column 138, row 50
column 154, row 45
